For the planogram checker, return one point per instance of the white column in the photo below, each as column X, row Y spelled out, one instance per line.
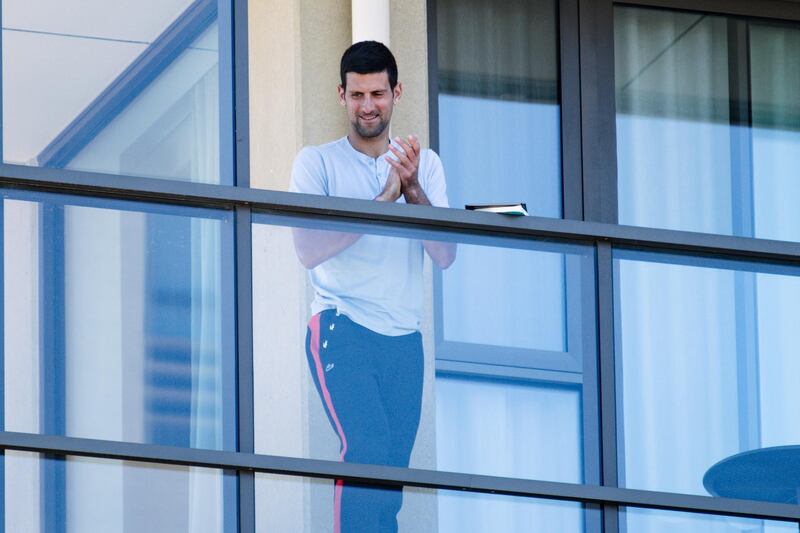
column 371, row 20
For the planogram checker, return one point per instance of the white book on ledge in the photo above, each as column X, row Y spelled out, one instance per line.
column 519, row 209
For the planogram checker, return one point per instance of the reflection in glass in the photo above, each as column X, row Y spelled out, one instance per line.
column 360, row 358
column 496, row 427
column 103, row 496
column 511, row 273
column 653, row 521
column 499, row 113
column 116, row 323
column 707, row 122
column 286, row 503
column 124, row 87
column 707, row 355
column 774, row 78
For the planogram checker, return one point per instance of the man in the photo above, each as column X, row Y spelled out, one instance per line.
column 363, row 342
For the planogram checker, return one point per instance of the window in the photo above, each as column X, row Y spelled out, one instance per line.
column 499, row 111
column 707, row 122
column 133, row 88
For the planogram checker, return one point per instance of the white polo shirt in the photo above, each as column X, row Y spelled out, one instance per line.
column 376, row 282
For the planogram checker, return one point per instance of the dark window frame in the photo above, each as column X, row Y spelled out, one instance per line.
column 590, row 211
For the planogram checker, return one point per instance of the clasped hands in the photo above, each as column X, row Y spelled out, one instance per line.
column 403, row 176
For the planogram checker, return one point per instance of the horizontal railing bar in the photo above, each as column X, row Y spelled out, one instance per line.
column 386, row 475
column 421, row 217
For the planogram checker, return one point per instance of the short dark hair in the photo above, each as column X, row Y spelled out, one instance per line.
column 367, row 57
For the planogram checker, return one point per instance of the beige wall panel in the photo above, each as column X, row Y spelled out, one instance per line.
column 275, row 103
column 325, row 34
column 294, row 46
column 410, row 47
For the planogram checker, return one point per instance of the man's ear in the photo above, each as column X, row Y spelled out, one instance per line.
column 340, row 90
column 398, row 91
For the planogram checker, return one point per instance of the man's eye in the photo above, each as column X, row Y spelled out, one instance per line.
column 378, row 94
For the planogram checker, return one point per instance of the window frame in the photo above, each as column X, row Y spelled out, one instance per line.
column 589, row 159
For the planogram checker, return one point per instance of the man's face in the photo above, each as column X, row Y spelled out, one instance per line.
column 369, row 101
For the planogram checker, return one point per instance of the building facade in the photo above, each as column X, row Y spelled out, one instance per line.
column 622, row 360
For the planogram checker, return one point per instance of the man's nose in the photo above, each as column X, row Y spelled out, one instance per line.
column 368, row 104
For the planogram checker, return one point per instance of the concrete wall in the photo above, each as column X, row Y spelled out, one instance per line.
column 295, row 46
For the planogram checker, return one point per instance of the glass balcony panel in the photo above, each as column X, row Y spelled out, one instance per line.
column 287, row 503
column 118, row 321
column 49, row 494
column 706, row 351
column 653, row 521
column 378, row 355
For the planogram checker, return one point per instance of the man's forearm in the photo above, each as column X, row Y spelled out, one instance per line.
column 415, row 195
column 442, row 253
column 314, row 247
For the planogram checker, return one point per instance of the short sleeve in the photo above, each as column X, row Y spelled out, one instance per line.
column 308, row 172
column 434, row 185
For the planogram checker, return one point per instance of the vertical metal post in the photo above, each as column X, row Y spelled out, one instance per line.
column 740, row 128
column 243, row 265
column 241, row 93
column 608, row 378
column 52, row 343
column 227, row 137
column 433, row 76
column 244, row 350
column 743, row 224
column 598, row 110
column 229, row 379
column 570, row 104
column 584, row 305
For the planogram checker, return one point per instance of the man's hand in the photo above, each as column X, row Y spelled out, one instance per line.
column 391, row 191
column 407, row 167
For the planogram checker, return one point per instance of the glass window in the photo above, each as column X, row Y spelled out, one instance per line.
column 118, row 321
column 361, row 355
column 708, row 128
column 653, row 521
column 499, row 111
column 51, row 494
column 122, row 87
column 288, row 503
column 707, row 355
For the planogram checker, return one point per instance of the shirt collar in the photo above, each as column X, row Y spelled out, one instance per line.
column 361, row 155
